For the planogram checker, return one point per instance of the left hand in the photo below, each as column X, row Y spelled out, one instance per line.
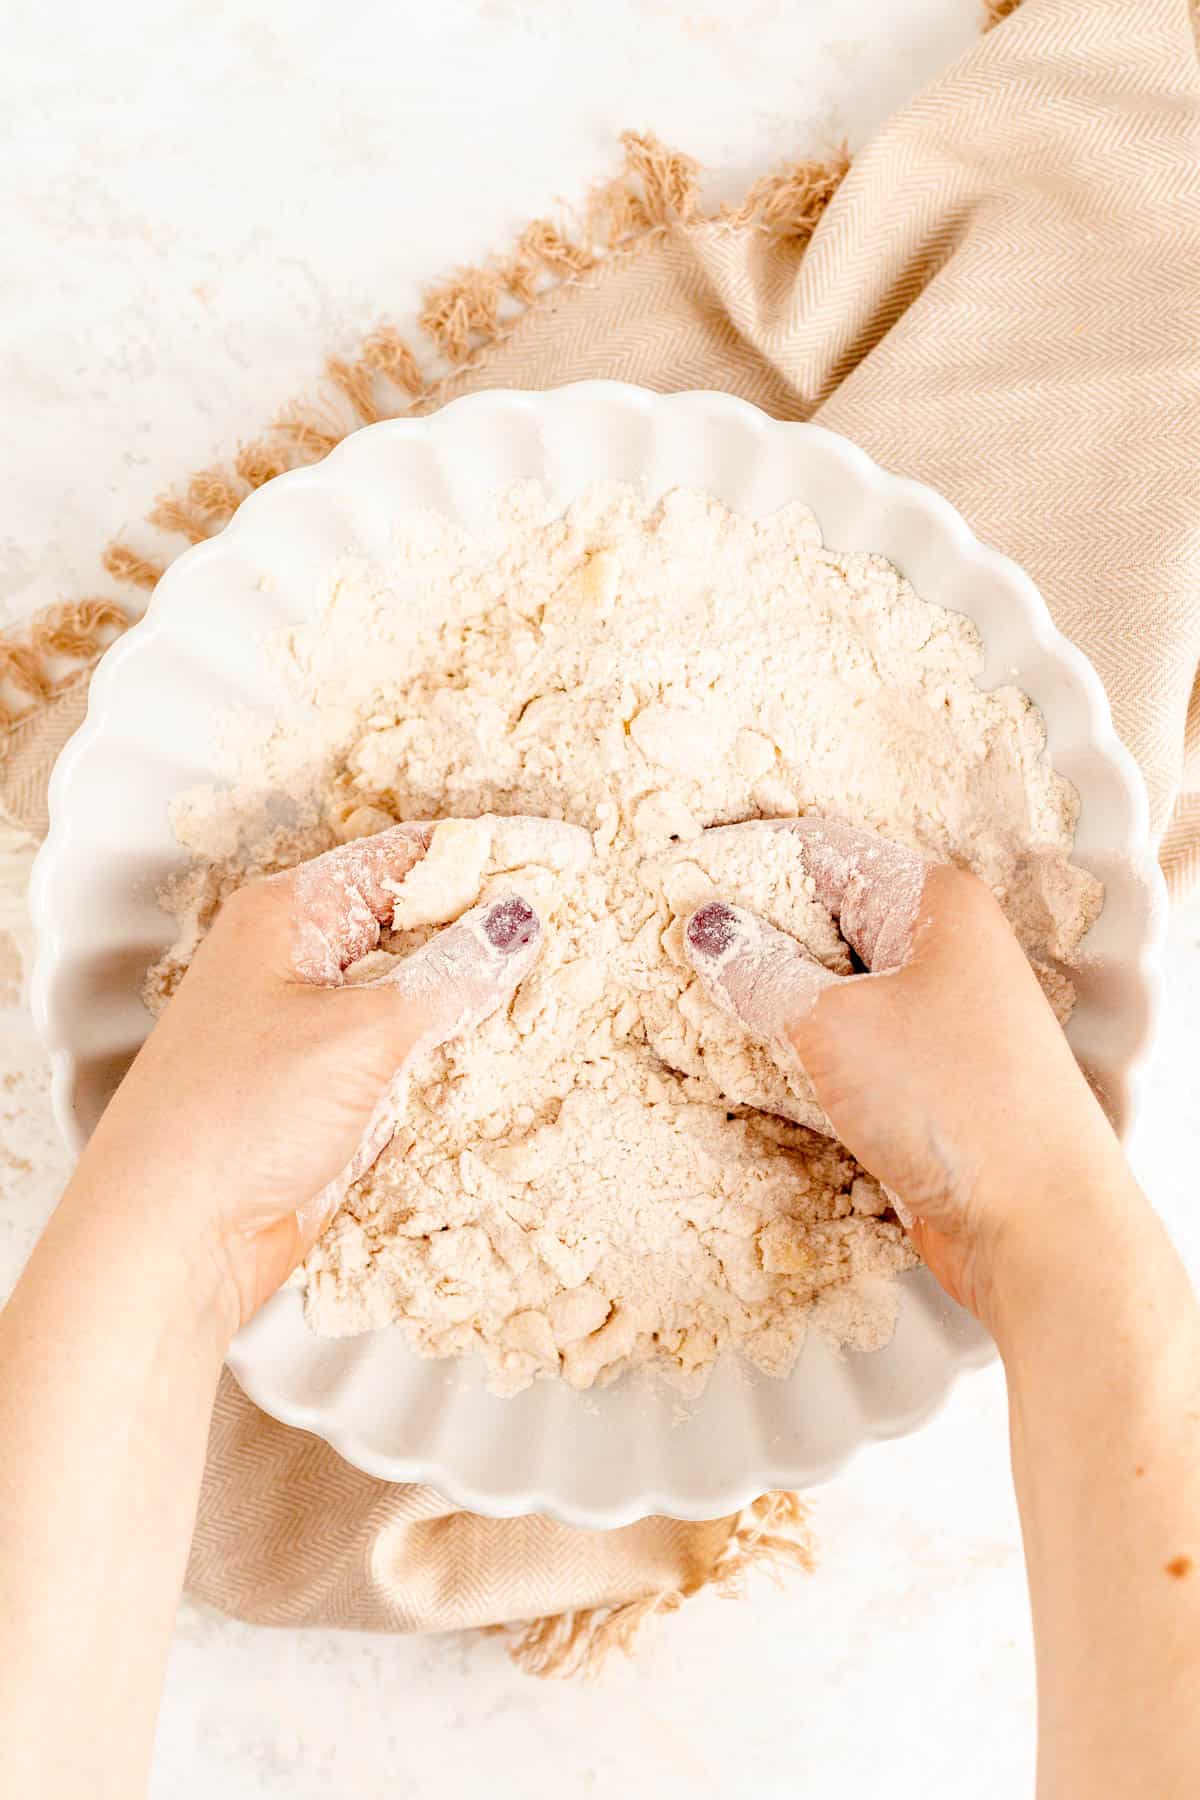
column 267, row 1087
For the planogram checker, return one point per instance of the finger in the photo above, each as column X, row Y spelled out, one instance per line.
column 447, row 987
column 901, row 1208
column 466, row 971
column 340, row 900
column 756, row 973
column 872, row 887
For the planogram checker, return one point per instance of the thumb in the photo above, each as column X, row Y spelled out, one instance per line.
column 768, row 982
column 754, row 972
column 447, row 987
column 460, row 977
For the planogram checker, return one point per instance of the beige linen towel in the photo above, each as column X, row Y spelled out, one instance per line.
column 1001, row 297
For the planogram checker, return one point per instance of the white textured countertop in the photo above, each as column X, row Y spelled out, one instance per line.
column 204, row 202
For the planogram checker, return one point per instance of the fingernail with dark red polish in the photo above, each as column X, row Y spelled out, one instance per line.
column 511, row 924
column 712, row 929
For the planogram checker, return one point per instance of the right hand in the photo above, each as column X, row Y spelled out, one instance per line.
column 942, row 1069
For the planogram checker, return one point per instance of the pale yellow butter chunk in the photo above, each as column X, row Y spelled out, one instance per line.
column 447, row 879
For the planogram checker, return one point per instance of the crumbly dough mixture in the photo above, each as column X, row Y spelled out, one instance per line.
column 610, row 1174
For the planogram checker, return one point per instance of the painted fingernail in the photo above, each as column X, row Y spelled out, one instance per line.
column 511, row 924
column 712, row 929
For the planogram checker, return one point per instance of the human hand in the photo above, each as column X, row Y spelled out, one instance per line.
column 267, row 1086
column 943, row 1069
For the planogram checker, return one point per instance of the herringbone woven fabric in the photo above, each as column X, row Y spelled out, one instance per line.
column 1003, row 300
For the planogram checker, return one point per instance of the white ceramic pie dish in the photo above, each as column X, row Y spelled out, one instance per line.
column 154, row 728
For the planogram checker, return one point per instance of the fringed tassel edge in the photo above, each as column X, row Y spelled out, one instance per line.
column 59, row 645
column 656, row 191
column 772, row 1534
column 996, row 11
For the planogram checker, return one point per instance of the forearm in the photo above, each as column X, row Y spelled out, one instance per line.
column 110, row 1351
column 1102, row 1353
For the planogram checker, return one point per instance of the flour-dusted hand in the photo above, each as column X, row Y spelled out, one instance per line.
column 942, row 1067
column 270, row 1083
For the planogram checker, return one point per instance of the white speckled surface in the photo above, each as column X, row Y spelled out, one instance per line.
column 204, row 201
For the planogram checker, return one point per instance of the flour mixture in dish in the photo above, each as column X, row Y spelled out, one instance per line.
column 610, row 1174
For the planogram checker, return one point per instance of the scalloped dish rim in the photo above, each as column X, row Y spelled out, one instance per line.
column 596, row 1461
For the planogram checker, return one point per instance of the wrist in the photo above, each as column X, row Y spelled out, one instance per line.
column 1066, row 1253
column 157, row 1244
